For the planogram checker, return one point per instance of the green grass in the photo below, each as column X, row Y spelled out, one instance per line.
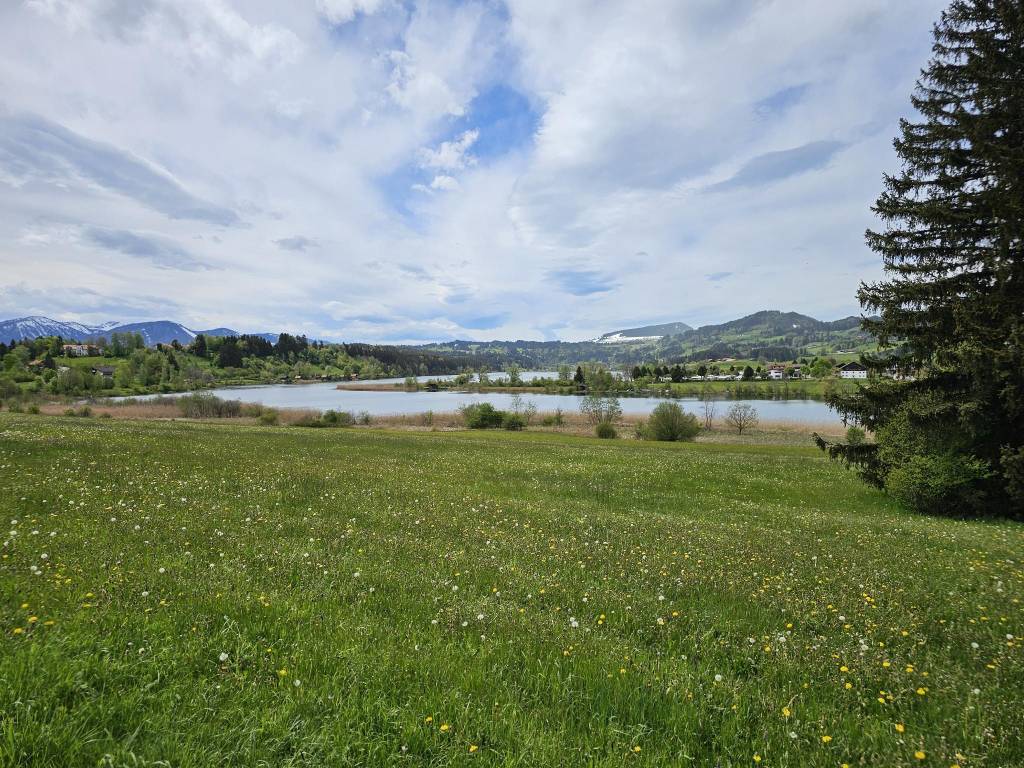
column 370, row 588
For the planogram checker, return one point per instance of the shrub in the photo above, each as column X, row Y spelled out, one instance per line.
column 85, row 412
column 203, row 405
column 481, row 416
column 605, row 430
column 268, row 418
column 741, row 416
column 513, row 422
column 427, row 419
column 597, row 408
column 669, row 422
column 327, row 419
column 34, row 409
column 364, row 418
column 855, row 436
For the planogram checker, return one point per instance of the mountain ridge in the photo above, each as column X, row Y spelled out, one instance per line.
column 153, row 332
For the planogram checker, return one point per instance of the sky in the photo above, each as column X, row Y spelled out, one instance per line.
column 406, row 171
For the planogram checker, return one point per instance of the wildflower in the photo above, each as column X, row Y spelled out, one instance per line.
column 922, row 691
column 900, row 728
column 297, row 682
column 826, row 739
column 282, row 673
column 428, row 719
column 473, row 748
column 636, row 749
column 757, row 758
column 919, row 755
column 718, row 678
column 223, row 657
column 445, row 727
column 786, row 712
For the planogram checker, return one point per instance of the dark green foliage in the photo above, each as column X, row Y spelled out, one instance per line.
column 605, row 430
column 328, row 419
column 952, row 249
column 482, row 416
column 230, row 354
column 268, row 417
column 513, row 422
column 668, row 422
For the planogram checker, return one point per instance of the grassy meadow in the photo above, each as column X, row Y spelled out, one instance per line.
column 187, row 594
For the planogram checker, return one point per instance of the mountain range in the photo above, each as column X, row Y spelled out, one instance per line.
column 768, row 334
column 153, row 332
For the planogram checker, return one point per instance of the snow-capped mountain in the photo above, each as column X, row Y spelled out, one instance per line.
column 153, row 332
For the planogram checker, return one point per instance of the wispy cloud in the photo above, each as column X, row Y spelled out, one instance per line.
column 582, row 282
column 34, row 148
column 296, row 243
column 158, row 250
column 775, row 166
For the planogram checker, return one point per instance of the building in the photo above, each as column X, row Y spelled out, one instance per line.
column 853, row 371
column 776, row 372
column 106, row 371
column 76, row 350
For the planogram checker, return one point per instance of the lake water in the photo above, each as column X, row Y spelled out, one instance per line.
column 326, row 395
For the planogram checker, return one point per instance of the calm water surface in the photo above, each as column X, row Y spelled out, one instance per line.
column 326, row 395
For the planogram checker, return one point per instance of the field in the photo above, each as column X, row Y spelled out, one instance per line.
column 204, row 594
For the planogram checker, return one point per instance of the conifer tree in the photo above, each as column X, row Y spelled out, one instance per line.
column 951, row 438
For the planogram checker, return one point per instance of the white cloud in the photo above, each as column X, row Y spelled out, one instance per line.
column 260, row 112
column 451, row 155
column 343, row 11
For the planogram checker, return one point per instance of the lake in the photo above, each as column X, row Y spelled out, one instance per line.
column 326, row 395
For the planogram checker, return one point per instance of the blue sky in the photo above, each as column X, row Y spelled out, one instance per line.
column 397, row 170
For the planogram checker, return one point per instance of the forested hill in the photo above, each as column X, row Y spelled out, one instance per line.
column 769, row 334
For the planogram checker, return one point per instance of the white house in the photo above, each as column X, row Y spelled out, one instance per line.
column 853, row 371
column 776, row 372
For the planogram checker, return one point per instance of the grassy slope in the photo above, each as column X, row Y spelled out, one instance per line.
column 326, row 556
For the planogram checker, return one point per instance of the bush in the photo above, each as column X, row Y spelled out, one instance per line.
column 427, row 419
column 855, row 436
column 268, row 418
column 364, row 418
column 597, row 408
column 669, row 422
column 605, row 430
column 34, row 409
column 327, row 419
column 513, row 422
column 481, row 416
column 203, row 405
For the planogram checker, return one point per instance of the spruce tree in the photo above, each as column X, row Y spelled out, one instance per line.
column 950, row 427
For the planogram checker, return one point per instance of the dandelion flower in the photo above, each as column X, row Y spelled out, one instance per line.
column 900, row 728
column 445, row 727
column 223, row 656
column 786, row 712
column 473, row 748
column 826, row 739
column 919, row 755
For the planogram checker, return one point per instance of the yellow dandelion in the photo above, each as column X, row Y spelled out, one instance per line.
column 445, row 727
column 786, row 712
column 826, row 739
column 900, row 728
column 636, row 749
column 473, row 748
column 428, row 719
column 919, row 755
